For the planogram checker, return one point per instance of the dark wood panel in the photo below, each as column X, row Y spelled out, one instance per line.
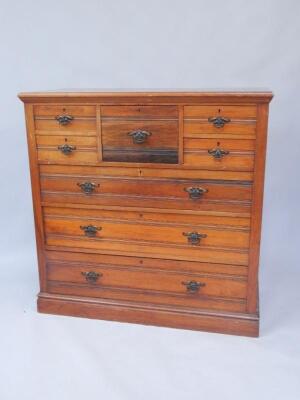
column 139, row 111
column 163, row 134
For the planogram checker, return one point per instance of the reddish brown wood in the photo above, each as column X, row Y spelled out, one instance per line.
column 36, row 194
column 257, row 203
column 229, row 323
column 142, row 204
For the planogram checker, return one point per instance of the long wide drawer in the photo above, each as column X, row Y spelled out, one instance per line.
column 157, row 193
column 138, row 284
column 172, row 240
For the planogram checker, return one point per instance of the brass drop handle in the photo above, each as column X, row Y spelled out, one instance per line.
column 218, row 153
column 90, row 230
column 66, row 149
column 219, row 121
column 193, row 286
column 91, row 276
column 139, row 136
column 64, row 119
column 87, row 187
column 195, row 192
column 194, row 237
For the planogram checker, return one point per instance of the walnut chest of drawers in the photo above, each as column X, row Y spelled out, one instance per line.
column 148, row 205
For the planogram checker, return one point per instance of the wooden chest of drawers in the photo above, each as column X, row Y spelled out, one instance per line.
column 148, row 205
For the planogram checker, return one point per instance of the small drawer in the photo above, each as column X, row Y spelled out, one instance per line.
column 220, row 121
column 66, row 150
column 74, row 126
column 64, row 119
column 190, row 290
column 142, row 141
column 222, row 154
column 46, row 110
column 235, row 112
column 232, row 130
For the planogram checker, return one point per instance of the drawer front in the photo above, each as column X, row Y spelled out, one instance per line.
column 158, row 239
column 239, row 112
column 168, row 172
column 144, row 134
column 190, row 195
column 67, row 150
column 159, row 144
column 49, row 110
column 147, row 232
column 221, row 121
column 222, row 154
column 147, row 263
column 153, row 281
column 234, row 129
column 172, row 217
column 79, row 125
column 64, row 119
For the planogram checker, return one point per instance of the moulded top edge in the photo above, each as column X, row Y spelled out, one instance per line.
column 93, row 94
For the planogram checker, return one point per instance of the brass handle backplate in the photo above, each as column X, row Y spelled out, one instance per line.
column 193, row 286
column 90, row 230
column 219, row 121
column 218, row 153
column 87, row 187
column 64, row 119
column 91, row 276
column 195, row 192
column 194, row 237
column 139, row 136
column 66, row 149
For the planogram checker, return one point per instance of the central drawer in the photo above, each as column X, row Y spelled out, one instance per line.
column 144, row 134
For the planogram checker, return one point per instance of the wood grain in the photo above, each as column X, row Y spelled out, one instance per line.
column 175, row 317
column 229, row 111
column 140, row 201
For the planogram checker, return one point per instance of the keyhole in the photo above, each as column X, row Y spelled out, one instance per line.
column 66, row 139
column 64, row 109
column 218, row 143
column 219, row 110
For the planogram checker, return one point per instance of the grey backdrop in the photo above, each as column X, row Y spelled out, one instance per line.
column 149, row 44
